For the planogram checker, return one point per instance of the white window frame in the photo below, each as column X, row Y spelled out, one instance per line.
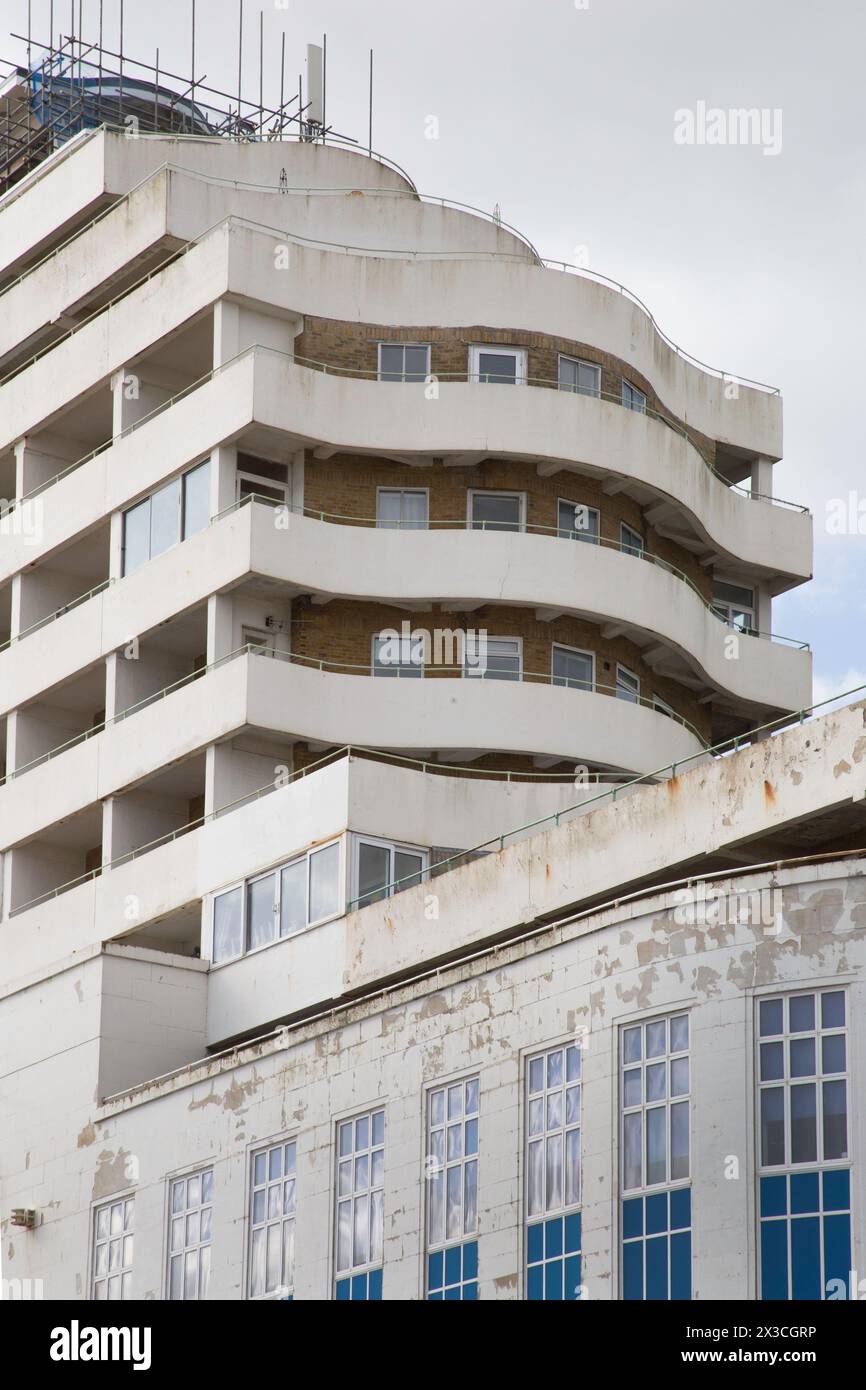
column 586, row 537
column 277, row 872
column 787, row 1081
column 258, row 637
column 636, row 551
column 633, row 398
column 434, row 1165
column 579, row 362
column 473, row 492
column 403, row 381
column 497, row 350
column 280, row 1221
column 635, row 698
column 376, row 668
column 663, row 707
column 531, row 1138
column 394, row 847
column 402, row 491
column 472, row 672
column 572, row 651
column 348, row 1271
column 666, row 1103
column 123, row 1272
column 193, row 1246
column 180, row 479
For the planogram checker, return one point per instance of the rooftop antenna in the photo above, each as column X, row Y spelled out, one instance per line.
column 315, row 89
column 193, row 64
column 261, row 70
column 240, row 56
column 370, row 145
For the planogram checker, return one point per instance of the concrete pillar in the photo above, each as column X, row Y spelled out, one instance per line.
column 223, row 475
column 133, row 398
column 762, row 477
column 226, row 332
column 35, row 466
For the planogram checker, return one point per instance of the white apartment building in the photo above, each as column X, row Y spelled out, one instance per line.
column 381, row 918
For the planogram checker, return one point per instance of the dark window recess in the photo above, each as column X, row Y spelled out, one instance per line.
column 263, row 468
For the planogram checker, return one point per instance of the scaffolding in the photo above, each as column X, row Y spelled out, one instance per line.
column 75, row 86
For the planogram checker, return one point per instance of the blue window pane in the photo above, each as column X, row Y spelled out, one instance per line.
column 681, row 1208
column 833, row 1009
column 452, row 1295
column 572, row 1233
column 771, row 1017
column 837, row 1252
column 571, row 1287
column 452, row 1265
column 837, row 1191
column 833, row 1052
column 804, row 1192
column 535, row 1283
column 375, row 1294
column 435, row 1298
column 470, row 1293
column 632, row 1218
column 470, row 1260
column 553, row 1281
column 774, row 1197
column 657, row 1268
column 435, row 1270
column 805, row 1258
column 632, row 1270
column 359, row 1288
column 535, row 1243
column 802, row 1013
column 681, row 1266
column 774, row 1260
column 656, row 1213
column 552, row 1238
column 343, row 1291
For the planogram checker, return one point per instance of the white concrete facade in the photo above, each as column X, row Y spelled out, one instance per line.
column 170, row 748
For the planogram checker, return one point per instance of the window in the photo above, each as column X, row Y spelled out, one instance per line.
column 401, row 509
column 112, row 1250
column 261, row 641
column 805, row 1198
column 735, row 605
column 272, row 1222
column 493, row 658
column 662, row 707
column 496, row 511
column 654, row 1093
column 630, row 541
column 398, row 656
column 190, row 1230
column 627, row 685
column 404, row 361
column 262, row 479
column 277, row 904
column 380, row 864
column 553, row 1234
column 452, row 1191
column 573, row 668
column 500, row 366
column 802, row 1079
column 576, row 522
column 632, row 398
column 173, row 513
column 360, row 1207
column 582, row 377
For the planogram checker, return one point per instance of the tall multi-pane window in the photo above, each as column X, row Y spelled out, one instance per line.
column 172, row 514
column 360, row 1207
column 655, row 1087
column 632, row 398
column 552, row 1124
column 277, row 904
column 627, row 685
column 452, row 1191
column 272, row 1222
column 190, row 1229
column 112, row 1250
column 804, row 1155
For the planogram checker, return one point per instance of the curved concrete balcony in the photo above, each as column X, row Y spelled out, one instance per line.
column 656, row 607
column 334, row 704
column 557, row 430
column 430, row 266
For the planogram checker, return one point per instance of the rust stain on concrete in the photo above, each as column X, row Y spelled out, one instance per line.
column 87, row 1136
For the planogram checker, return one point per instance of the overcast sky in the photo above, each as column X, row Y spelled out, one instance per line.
column 563, row 113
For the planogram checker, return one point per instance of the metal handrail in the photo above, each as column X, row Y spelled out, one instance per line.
column 351, row 372
column 527, row 528
column 323, row 665
column 58, row 613
column 669, row 772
